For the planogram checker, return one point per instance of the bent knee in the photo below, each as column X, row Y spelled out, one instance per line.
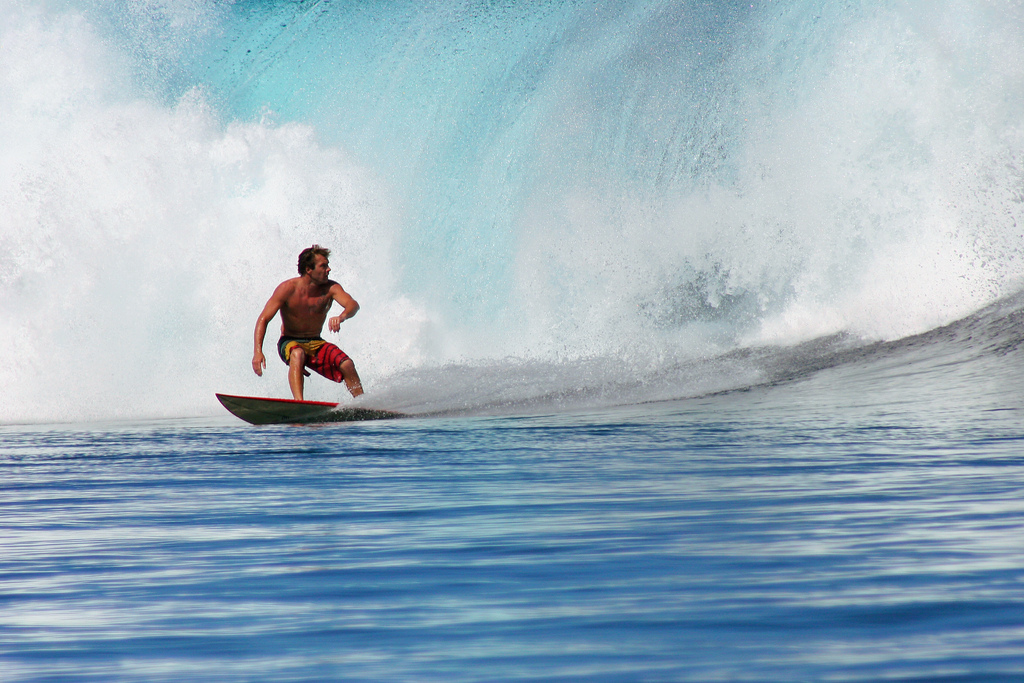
column 297, row 356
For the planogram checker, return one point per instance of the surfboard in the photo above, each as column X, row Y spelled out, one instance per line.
column 267, row 411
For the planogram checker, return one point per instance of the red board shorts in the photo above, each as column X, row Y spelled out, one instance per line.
column 321, row 356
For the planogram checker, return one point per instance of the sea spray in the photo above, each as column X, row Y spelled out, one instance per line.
column 579, row 179
column 568, row 198
column 139, row 240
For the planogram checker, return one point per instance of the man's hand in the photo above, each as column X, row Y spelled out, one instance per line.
column 259, row 361
column 334, row 324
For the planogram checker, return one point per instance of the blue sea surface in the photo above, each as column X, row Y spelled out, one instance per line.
column 777, row 534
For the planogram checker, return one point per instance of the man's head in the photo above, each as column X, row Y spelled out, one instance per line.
column 307, row 257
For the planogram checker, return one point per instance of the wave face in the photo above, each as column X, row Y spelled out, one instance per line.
column 584, row 196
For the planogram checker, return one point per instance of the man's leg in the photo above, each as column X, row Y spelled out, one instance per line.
column 348, row 371
column 296, row 371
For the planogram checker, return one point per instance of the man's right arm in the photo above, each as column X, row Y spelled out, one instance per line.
column 259, row 361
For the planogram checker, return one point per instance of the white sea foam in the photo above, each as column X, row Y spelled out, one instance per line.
column 873, row 186
column 602, row 196
column 138, row 241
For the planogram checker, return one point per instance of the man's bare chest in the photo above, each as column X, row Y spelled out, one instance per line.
column 307, row 304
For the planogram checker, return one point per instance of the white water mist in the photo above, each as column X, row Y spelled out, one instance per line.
column 600, row 191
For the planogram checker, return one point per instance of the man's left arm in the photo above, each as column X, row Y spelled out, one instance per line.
column 346, row 302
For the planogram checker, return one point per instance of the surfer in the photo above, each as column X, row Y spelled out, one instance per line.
column 304, row 302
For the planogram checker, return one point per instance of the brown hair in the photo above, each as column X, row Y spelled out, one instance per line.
column 307, row 257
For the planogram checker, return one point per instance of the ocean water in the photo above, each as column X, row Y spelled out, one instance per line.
column 707, row 318
column 789, row 533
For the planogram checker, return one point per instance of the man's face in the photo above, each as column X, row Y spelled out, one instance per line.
column 320, row 270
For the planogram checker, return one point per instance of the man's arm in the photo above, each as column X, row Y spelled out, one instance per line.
column 346, row 302
column 259, row 361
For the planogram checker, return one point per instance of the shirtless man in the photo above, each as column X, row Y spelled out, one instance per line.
column 304, row 302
